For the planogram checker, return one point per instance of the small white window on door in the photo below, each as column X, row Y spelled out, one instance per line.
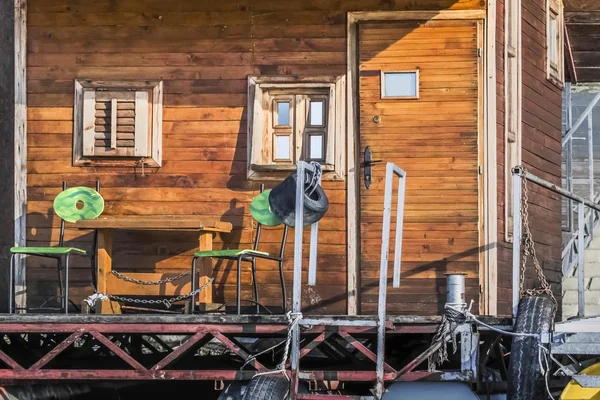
column 400, row 84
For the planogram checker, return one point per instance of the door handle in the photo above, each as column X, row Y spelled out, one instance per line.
column 368, row 164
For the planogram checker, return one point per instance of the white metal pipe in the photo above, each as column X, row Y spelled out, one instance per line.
column 312, row 261
column 399, row 227
column 297, row 284
column 580, row 254
column 516, row 260
column 455, row 290
column 383, row 268
column 582, row 118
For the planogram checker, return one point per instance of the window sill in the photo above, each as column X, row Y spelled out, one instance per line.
column 279, row 172
column 115, row 162
column 556, row 81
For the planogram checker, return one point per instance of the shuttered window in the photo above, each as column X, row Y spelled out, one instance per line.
column 118, row 123
column 555, row 41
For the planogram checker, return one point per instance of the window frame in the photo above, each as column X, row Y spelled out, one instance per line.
column 555, row 71
column 417, row 84
column 262, row 94
column 154, row 158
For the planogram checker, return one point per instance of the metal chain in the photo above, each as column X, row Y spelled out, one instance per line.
column 529, row 250
column 141, row 282
column 167, row 302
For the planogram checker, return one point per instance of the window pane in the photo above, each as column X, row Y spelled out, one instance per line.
column 316, row 147
column 316, row 113
column 400, row 84
column 283, row 147
column 283, row 114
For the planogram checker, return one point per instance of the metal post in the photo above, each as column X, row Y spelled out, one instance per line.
column 297, row 284
column 399, row 230
column 455, row 290
column 516, row 261
column 383, row 268
column 591, row 169
column 580, row 255
column 570, row 222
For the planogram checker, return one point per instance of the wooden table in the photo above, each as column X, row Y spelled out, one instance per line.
column 110, row 284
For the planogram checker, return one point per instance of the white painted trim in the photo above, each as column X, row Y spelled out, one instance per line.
column 490, row 201
column 20, row 150
column 489, row 305
column 518, row 59
column 352, row 172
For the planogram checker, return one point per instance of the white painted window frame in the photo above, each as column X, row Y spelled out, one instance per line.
column 260, row 164
column 555, row 73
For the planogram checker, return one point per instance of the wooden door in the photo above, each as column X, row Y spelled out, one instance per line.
column 419, row 94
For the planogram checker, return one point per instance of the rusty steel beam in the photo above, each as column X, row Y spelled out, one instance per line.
column 348, row 376
column 180, row 351
column 57, row 350
column 10, row 362
column 364, row 350
column 119, row 352
column 237, row 350
column 90, row 374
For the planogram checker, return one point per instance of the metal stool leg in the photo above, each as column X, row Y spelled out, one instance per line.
column 255, row 285
column 67, row 283
column 283, row 291
column 11, row 283
column 60, row 281
column 239, row 285
column 193, row 299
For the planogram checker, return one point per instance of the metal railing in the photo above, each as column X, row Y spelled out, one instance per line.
column 391, row 171
column 518, row 176
column 591, row 220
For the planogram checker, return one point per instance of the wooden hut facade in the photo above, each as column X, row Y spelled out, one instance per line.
column 213, row 99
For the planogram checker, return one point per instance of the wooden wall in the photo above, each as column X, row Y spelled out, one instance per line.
column 541, row 152
column 203, row 51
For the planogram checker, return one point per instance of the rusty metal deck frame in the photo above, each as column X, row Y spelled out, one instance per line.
column 108, row 331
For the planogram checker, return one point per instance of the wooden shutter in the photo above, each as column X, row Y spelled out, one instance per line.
column 115, row 123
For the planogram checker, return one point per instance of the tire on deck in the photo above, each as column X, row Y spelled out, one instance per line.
column 525, row 379
column 266, row 387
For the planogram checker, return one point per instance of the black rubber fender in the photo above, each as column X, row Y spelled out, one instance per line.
column 267, row 387
column 525, row 379
column 282, row 200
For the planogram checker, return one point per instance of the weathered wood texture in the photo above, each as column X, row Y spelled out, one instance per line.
column 7, row 124
column 582, row 18
column 541, row 154
column 435, row 139
column 203, row 51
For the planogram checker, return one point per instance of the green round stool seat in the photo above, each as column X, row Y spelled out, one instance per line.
column 78, row 203
column 261, row 210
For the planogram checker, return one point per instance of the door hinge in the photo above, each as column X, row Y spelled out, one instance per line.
column 480, row 169
column 480, row 288
column 479, row 52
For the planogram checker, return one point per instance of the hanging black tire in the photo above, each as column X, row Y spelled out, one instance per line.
column 525, row 379
column 267, row 387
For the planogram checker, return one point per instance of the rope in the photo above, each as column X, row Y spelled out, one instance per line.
column 452, row 318
column 293, row 319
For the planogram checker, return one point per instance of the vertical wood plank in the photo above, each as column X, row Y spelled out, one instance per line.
column 105, row 237
column 89, row 121
column 20, row 144
column 205, row 269
column 352, row 194
column 141, row 124
column 113, row 124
